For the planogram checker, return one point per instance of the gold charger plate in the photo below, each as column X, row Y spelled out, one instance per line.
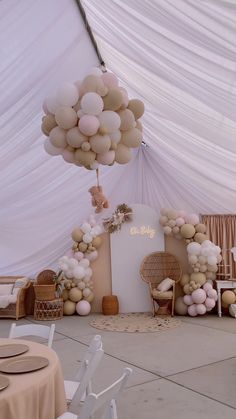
column 12, row 349
column 4, row 382
column 23, row 364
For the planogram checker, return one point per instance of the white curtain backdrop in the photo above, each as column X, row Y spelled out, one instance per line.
column 179, row 57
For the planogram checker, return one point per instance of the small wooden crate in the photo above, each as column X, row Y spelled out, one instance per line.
column 48, row 310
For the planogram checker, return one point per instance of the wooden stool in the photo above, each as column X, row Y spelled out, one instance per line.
column 48, row 310
column 110, row 305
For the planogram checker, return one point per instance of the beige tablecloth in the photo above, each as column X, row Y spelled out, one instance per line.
column 35, row 395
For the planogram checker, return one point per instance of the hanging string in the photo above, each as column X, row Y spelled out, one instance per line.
column 90, row 33
column 97, row 174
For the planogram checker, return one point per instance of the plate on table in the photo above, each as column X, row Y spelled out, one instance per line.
column 4, row 382
column 23, row 364
column 12, row 349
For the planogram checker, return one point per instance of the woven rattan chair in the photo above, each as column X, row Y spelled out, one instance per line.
column 154, row 268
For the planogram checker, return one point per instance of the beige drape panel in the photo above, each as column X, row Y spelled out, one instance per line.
column 221, row 229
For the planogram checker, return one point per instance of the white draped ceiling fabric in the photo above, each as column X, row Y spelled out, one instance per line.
column 179, row 57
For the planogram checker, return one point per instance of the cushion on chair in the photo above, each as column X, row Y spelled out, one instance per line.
column 68, row 415
column 165, row 285
column 18, row 284
column 159, row 294
column 6, row 289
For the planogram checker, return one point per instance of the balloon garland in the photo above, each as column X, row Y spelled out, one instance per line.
column 92, row 122
column 76, row 271
column 203, row 257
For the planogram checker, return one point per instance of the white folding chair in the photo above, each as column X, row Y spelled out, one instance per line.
column 82, row 386
column 105, row 400
column 43, row 331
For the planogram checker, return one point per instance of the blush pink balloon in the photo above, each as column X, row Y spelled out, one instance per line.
column 192, row 310
column 89, row 125
column 110, row 80
column 212, row 294
column 181, row 213
column 207, row 287
column 106, row 158
column 199, row 296
column 83, row 308
column 78, row 256
column 179, row 221
column 201, row 309
column 92, row 256
column 210, row 303
column 192, row 219
column 68, row 156
column 188, row 300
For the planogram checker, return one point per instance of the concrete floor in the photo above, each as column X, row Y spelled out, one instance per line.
column 185, row 372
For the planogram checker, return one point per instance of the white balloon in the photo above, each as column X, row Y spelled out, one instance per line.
column 70, row 274
column 72, row 263
column 86, row 292
column 86, row 279
column 115, row 136
column 87, row 238
column 88, row 272
column 91, row 103
column 212, row 260
column 194, row 248
column 109, row 121
column 67, row 94
column 52, row 104
column 86, row 227
column 79, row 272
column 85, row 263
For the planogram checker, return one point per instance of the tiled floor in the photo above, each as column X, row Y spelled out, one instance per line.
column 185, row 372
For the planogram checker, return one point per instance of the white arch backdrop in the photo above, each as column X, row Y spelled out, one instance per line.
column 178, row 57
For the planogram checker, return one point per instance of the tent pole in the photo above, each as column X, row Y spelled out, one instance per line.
column 90, row 33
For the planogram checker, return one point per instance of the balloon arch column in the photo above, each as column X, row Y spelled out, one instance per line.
column 203, row 257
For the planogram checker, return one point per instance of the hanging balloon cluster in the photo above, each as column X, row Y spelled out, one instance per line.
column 203, row 257
column 76, row 270
column 92, row 122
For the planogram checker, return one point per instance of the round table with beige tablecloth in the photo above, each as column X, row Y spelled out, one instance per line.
column 34, row 395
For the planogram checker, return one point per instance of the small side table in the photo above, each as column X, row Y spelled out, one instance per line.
column 48, row 310
column 224, row 284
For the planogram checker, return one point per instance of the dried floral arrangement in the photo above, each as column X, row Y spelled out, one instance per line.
column 122, row 214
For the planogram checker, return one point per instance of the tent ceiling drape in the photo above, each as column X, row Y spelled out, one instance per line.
column 178, row 57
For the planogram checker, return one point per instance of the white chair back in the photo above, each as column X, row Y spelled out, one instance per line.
column 105, row 400
column 43, row 331
column 88, row 366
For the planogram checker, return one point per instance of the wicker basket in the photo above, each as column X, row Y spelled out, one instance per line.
column 45, row 292
column 110, row 305
column 46, row 277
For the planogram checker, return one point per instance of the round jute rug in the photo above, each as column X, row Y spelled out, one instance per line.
column 134, row 322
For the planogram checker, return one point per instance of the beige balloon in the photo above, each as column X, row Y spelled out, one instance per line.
column 83, row 247
column 93, row 83
column 90, row 298
column 85, row 146
column 69, row 308
column 97, row 241
column 198, row 278
column 100, row 143
column 65, row 295
column 58, row 137
column 187, row 231
column 75, row 294
column 122, row 154
column 131, row 138
column 127, row 120
column 200, row 228
column 184, row 280
column 66, row 117
column 137, row 107
column 75, row 138
column 113, row 99
column 139, row 126
column 228, row 297
column 48, row 124
column 200, row 237
column 86, row 158
column 77, row 235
